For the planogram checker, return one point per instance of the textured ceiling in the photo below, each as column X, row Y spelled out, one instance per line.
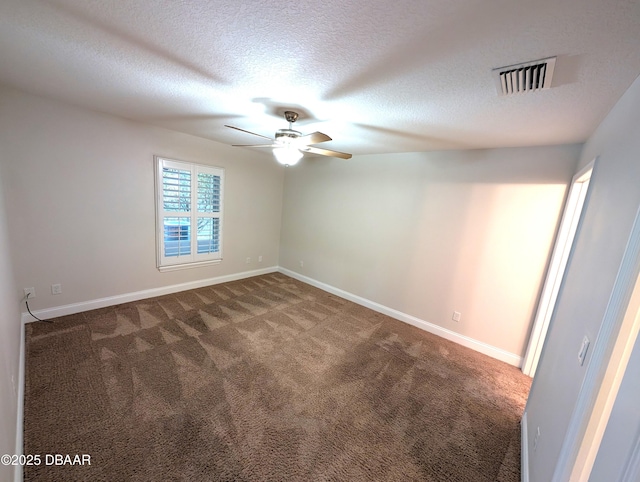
column 376, row 75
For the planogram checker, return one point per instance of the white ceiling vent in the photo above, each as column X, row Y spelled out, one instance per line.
column 525, row 77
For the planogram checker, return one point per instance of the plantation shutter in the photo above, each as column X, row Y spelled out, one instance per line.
column 189, row 208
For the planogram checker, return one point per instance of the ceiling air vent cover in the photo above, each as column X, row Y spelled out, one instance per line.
column 525, row 77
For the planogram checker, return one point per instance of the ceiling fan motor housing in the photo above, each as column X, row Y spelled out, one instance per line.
column 284, row 135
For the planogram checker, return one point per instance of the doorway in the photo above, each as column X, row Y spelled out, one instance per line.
column 559, row 257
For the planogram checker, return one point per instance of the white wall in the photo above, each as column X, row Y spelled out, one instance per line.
column 80, row 191
column 430, row 233
column 10, row 326
column 598, row 250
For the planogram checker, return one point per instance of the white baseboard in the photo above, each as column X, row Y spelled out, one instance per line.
column 17, row 474
column 492, row 351
column 524, row 449
column 463, row 340
column 140, row 295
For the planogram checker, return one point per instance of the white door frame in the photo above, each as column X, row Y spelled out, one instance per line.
column 569, row 224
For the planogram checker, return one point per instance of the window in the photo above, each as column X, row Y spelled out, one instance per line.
column 189, row 212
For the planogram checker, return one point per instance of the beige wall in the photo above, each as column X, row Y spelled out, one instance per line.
column 80, row 194
column 430, row 233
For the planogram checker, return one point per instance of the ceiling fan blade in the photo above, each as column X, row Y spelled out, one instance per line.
column 252, row 145
column 313, row 138
column 325, row 152
column 248, row 132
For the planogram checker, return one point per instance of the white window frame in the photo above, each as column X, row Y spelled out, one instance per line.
column 192, row 260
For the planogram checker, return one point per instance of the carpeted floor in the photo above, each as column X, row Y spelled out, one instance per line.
column 264, row 379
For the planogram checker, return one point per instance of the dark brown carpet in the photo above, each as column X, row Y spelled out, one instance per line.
column 265, row 379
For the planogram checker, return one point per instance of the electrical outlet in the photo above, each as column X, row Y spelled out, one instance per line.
column 260, row 259
column 29, row 293
column 56, row 289
column 456, row 316
column 301, row 264
column 248, row 260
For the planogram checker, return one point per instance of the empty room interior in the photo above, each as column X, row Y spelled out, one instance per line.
column 320, row 240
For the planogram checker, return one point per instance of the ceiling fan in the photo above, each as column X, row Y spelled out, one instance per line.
column 289, row 145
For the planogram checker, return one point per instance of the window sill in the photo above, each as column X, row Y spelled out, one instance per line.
column 198, row 264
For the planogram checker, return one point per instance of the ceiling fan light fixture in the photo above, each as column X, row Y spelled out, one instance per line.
column 289, row 145
column 287, row 155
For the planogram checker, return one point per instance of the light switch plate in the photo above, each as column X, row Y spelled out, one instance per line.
column 583, row 350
